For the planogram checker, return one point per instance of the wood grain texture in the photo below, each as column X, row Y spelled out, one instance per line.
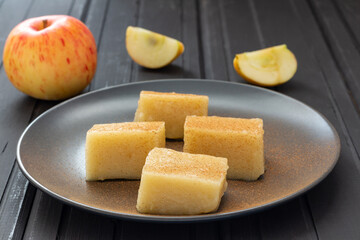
column 114, row 64
column 273, row 28
column 346, row 53
column 44, row 218
column 240, row 35
column 94, row 18
column 12, row 15
column 324, row 35
column 340, row 185
column 245, row 227
column 274, row 221
column 212, row 42
column 259, row 23
column 134, row 230
column 191, row 58
column 342, row 105
column 81, row 224
column 169, row 24
column 208, row 231
column 46, row 213
column 15, row 207
column 12, row 123
column 349, row 11
column 342, row 37
column 15, row 211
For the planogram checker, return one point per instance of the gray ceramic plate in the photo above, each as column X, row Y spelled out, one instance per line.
column 301, row 147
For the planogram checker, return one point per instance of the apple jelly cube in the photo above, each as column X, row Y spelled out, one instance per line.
column 180, row 183
column 171, row 108
column 119, row 150
column 239, row 140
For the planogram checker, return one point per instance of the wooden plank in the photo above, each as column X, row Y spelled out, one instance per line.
column 295, row 216
column 346, row 53
column 349, row 11
column 1, row 2
column 191, row 62
column 140, row 230
column 80, row 9
column 341, row 186
column 95, row 18
column 109, row 39
column 209, row 231
column 339, row 24
column 286, row 226
column 259, row 28
column 244, row 227
column 175, row 22
column 114, row 64
column 15, row 206
column 12, row 122
column 342, row 104
column 240, row 30
column 181, row 24
column 81, row 224
column 47, row 212
column 212, row 42
column 117, row 230
column 16, row 203
column 44, row 218
column 336, row 216
column 314, row 84
column 44, row 7
column 107, row 21
column 302, row 86
column 11, row 14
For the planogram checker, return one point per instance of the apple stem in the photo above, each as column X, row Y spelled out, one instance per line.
column 45, row 23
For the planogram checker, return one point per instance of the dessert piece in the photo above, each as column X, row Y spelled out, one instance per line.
column 181, row 183
column 266, row 67
column 172, row 108
column 239, row 140
column 119, row 150
column 150, row 49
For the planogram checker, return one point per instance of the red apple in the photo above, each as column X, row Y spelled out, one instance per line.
column 50, row 57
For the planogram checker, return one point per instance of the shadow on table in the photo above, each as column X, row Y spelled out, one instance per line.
column 170, row 71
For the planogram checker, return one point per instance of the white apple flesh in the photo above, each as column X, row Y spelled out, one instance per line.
column 266, row 67
column 150, row 49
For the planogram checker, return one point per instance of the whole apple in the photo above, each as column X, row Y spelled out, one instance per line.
column 50, row 57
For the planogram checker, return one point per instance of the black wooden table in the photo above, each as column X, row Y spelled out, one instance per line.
column 323, row 34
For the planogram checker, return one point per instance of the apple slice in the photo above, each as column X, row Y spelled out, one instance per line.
column 150, row 49
column 266, row 67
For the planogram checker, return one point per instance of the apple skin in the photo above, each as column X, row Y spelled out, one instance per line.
column 50, row 57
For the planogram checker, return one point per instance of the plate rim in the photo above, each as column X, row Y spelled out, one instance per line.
column 180, row 218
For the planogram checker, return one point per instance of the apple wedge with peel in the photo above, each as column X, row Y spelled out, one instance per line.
column 150, row 49
column 266, row 67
